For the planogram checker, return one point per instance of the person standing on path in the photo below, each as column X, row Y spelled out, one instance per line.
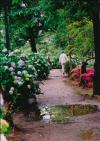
column 62, row 60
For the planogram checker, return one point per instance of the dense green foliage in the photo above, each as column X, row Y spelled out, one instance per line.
column 70, row 25
column 21, row 76
column 81, row 38
column 68, row 68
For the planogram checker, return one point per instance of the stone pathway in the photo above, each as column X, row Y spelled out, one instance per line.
column 58, row 92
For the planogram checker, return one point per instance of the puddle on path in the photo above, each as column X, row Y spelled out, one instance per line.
column 60, row 114
column 90, row 134
column 65, row 113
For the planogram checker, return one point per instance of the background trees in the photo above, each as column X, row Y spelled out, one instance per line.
column 92, row 8
column 5, row 11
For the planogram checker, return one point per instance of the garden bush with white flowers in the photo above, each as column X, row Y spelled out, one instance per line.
column 41, row 65
column 19, row 75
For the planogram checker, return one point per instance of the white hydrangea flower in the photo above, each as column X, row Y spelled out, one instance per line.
column 33, row 69
column 30, row 66
column 20, row 83
column 30, row 75
column 6, row 67
column 13, row 73
column 10, row 92
column 13, row 64
column 11, row 69
column 21, row 63
column 19, row 72
column 4, row 50
column 36, row 62
column 16, row 77
column 24, row 72
column 29, row 86
column 23, row 55
column 16, row 50
column 12, row 88
column 11, row 54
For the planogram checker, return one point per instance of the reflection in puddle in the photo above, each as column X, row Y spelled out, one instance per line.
column 46, row 117
column 65, row 113
column 89, row 134
column 61, row 113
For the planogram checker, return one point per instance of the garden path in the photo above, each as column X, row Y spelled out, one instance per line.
column 57, row 90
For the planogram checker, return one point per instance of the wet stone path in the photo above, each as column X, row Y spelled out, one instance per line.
column 59, row 123
column 56, row 91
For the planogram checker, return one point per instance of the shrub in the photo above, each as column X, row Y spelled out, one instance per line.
column 41, row 65
column 67, row 66
column 88, row 79
column 19, row 75
column 84, row 80
column 55, row 63
column 4, row 126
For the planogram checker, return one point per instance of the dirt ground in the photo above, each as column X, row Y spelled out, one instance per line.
column 59, row 91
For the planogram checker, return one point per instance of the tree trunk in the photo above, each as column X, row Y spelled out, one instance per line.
column 70, row 62
column 6, row 18
column 96, row 27
column 32, row 40
column 33, row 44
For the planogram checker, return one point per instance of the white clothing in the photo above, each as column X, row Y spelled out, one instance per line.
column 63, row 58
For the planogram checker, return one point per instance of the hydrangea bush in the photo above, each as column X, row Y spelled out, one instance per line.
column 41, row 65
column 19, row 75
